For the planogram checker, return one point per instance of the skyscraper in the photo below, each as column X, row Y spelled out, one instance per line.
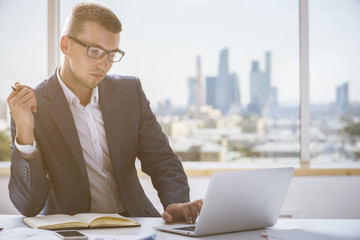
column 263, row 95
column 210, row 90
column 235, row 100
column 268, row 67
column 342, row 95
column 198, row 83
column 222, row 92
column 195, row 87
column 192, row 86
column 222, row 97
column 234, row 89
column 258, row 88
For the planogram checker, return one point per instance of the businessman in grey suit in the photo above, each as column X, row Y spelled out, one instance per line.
column 77, row 134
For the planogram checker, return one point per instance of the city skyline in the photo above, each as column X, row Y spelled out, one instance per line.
column 225, row 86
column 221, row 91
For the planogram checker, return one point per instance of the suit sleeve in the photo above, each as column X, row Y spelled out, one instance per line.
column 28, row 185
column 158, row 159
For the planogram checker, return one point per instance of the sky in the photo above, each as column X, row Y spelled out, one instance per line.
column 162, row 39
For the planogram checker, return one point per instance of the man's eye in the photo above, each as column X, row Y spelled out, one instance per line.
column 113, row 55
column 95, row 51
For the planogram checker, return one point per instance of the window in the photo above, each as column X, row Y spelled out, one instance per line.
column 334, row 81
column 221, row 76
column 23, row 54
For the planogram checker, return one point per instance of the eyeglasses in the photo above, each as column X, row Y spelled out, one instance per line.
column 98, row 52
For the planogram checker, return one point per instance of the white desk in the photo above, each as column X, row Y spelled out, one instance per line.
column 13, row 221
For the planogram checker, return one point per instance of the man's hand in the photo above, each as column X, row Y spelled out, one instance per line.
column 183, row 211
column 22, row 102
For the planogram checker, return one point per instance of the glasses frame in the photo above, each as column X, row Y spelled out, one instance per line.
column 102, row 55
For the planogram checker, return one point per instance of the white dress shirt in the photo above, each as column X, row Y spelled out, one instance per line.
column 105, row 194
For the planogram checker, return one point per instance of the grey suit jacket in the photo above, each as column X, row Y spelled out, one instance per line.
column 56, row 180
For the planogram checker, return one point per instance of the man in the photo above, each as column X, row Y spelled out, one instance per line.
column 77, row 135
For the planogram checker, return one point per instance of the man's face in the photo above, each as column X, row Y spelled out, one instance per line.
column 89, row 71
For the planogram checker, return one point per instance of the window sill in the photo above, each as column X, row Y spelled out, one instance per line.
column 298, row 171
column 197, row 168
column 326, row 169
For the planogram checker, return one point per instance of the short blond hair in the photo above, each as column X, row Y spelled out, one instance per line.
column 91, row 11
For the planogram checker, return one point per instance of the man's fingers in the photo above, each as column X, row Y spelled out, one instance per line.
column 183, row 211
column 22, row 95
column 30, row 103
column 167, row 217
column 187, row 213
column 23, row 91
column 193, row 212
column 196, row 208
column 199, row 204
column 19, row 87
column 11, row 97
column 190, row 212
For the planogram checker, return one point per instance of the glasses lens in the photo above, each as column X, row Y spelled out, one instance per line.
column 115, row 56
column 98, row 53
column 95, row 52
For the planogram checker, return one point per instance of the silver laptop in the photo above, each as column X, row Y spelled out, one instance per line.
column 239, row 201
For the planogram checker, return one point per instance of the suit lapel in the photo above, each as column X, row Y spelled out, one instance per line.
column 110, row 104
column 59, row 110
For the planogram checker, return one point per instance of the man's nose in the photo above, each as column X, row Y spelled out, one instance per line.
column 104, row 63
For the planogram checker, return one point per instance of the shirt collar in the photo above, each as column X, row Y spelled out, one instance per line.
column 71, row 97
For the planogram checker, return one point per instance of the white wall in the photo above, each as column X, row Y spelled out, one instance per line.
column 308, row 197
column 6, row 206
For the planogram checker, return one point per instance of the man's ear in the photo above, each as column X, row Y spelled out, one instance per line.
column 64, row 45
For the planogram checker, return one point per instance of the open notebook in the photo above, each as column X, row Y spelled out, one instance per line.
column 238, row 201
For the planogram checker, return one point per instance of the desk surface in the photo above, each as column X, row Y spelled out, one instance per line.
column 342, row 226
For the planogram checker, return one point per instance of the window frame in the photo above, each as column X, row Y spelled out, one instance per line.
column 304, row 167
column 304, row 84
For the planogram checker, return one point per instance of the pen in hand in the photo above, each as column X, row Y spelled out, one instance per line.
column 16, row 91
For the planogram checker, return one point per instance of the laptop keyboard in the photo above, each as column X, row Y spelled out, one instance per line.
column 191, row 228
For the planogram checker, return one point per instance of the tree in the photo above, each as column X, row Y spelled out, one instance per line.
column 353, row 130
column 4, row 146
